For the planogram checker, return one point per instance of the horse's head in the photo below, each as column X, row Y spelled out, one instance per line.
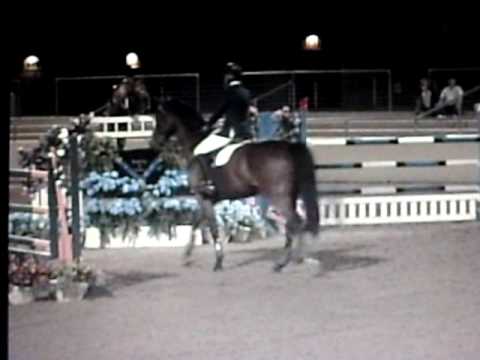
column 174, row 117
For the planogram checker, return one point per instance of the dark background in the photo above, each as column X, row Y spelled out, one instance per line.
column 408, row 42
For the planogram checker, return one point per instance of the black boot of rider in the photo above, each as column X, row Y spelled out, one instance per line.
column 208, row 187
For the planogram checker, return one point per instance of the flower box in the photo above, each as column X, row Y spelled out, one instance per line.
column 42, row 289
column 19, row 295
column 242, row 235
column 180, row 237
column 69, row 290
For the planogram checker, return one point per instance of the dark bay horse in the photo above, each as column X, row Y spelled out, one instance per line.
column 278, row 170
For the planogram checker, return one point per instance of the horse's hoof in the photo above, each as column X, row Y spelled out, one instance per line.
column 218, row 267
column 299, row 260
column 188, row 263
column 316, row 265
column 312, row 261
column 278, row 267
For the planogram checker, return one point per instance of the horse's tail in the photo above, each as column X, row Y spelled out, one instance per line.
column 306, row 185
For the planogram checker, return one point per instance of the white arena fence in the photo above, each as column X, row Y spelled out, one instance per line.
column 363, row 210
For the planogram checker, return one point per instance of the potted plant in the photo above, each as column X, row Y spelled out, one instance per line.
column 20, row 276
column 71, row 281
column 41, row 282
column 31, row 279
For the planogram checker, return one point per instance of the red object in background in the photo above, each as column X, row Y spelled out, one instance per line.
column 303, row 104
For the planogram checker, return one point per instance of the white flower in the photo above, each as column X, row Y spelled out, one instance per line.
column 63, row 134
column 61, row 152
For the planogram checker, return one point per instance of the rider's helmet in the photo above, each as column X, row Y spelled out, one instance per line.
column 233, row 69
column 233, row 72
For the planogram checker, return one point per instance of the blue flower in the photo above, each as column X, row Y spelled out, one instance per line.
column 92, row 206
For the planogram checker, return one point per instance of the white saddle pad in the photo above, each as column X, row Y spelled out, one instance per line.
column 214, row 142
column 226, row 153
column 210, row 143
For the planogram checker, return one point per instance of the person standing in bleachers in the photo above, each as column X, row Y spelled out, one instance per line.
column 424, row 100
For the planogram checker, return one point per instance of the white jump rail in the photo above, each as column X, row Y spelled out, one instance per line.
column 362, row 210
column 383, row 140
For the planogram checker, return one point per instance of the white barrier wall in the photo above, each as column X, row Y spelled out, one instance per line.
column 357, row 210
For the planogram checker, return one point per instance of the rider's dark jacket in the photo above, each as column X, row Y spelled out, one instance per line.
column 235, row 108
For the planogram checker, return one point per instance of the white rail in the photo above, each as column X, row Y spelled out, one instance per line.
column 393, row 209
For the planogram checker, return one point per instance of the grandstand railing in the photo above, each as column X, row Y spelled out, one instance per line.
column 297, row 84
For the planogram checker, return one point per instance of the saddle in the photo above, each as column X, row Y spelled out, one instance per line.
column 215, row 151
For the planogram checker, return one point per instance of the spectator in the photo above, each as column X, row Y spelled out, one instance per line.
column 142, row 102
column 451, row 100
column 130, row 97
column 288, row 125
column 424, row 100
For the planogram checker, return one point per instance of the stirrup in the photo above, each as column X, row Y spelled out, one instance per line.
column 208, row 188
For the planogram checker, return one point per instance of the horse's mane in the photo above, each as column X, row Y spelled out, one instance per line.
column 190, row 118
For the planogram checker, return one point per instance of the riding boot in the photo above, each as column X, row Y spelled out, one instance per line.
column 208, row 186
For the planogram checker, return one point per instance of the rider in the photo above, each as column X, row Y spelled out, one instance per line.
column 236, row 126
column 235, row 106
column 235, row 109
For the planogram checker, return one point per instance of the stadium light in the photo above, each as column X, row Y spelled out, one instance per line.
column 312, row 42
column 31, row 63
column 132, row 60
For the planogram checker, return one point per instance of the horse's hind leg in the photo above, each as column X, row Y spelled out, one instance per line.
column 293, row 227
column 287, row 256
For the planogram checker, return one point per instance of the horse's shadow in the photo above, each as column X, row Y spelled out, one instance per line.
column 330, row 260
column 114, row 281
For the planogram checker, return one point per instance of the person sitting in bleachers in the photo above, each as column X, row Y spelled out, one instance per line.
column 451, row 100
column 288, row 127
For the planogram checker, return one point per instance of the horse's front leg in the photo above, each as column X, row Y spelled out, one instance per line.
column 198, row 222
column 209, row 214
column 197, row 177
column 187, row 255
